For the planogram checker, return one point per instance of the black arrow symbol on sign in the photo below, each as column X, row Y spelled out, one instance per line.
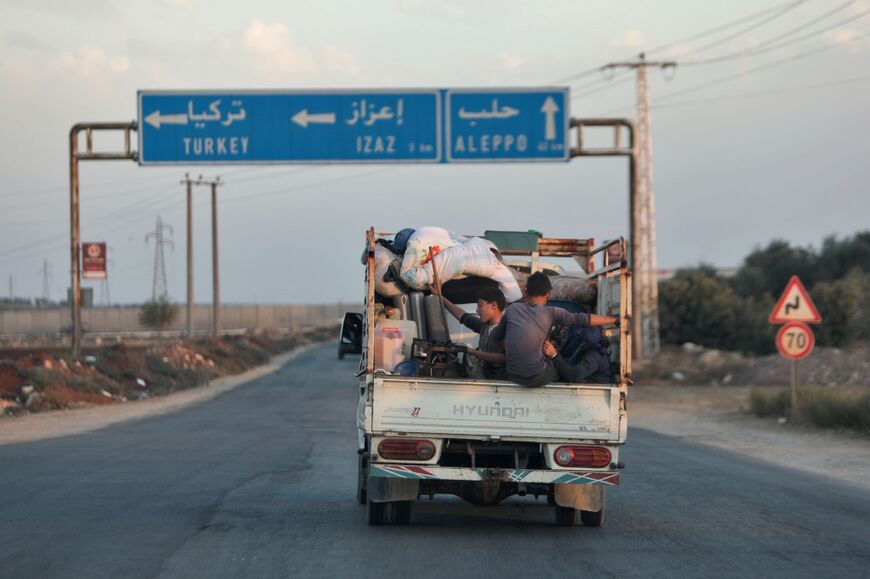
column 794, row 306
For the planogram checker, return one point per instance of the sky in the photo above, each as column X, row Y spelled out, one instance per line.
column 768, row 142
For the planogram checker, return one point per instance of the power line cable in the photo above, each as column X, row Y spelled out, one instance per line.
column 790, row 90
column 770, row 44
column 613, row 84
column 769, row 65
column 751, row 27
column 65, row 188
column 722, row 27
column 304, row 185
column 780, row 9
column 730, row 77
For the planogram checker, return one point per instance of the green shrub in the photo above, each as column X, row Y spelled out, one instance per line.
column 765, row 402
column 835, row 409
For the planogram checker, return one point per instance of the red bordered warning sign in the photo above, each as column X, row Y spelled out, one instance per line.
column 794, row 305
column 795, row 340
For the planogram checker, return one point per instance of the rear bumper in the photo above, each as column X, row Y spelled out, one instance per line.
column 494, row 474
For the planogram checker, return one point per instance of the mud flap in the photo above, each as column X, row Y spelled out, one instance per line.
column 580, row 497
column 382, row 489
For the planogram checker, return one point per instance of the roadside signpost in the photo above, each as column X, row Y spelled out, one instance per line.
column 795, row 340
column 366, row 126
column 94, row 260
column 794, row 305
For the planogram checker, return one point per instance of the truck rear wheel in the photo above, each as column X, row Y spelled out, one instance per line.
column 393, row 512
column 592, row 518
column 565, row 516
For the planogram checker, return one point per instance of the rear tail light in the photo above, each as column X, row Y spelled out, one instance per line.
column 406, row 449
column 582, row 456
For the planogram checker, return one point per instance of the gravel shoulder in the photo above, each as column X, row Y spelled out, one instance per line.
column 68, row 422
column 716, row 415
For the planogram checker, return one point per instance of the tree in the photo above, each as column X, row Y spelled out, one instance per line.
column 157, row 314
column 843, row 305
column 698, row 307
column 839, row 257
column 768, row 270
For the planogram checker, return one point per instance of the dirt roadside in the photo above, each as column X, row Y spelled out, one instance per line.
column 76, row 421
column 716, row 415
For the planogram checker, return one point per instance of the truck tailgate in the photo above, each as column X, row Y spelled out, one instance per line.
column 495, row 409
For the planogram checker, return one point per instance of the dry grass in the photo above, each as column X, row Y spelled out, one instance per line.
column 823, row 407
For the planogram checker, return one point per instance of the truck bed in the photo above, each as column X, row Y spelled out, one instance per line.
column 496, row 410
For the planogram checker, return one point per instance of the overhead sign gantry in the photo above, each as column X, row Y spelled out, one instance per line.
column 370, row 126
column 497, row 125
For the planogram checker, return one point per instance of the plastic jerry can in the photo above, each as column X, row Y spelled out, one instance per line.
column 393, row 340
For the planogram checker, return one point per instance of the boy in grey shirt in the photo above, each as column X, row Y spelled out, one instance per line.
column 490, row 308
column 526, row 326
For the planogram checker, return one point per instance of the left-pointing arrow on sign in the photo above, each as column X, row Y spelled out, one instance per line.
column 155, row 119
column 302, row 118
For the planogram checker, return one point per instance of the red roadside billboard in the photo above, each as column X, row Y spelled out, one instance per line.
column 94, row 260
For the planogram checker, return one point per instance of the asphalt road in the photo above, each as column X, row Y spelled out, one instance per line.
column 260, row 482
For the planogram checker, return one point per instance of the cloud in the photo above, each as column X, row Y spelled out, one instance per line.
column 272, row 49
column 680, row 50
column 509, row 60
column 858, row 7
column 182, row 4
column 90, row 61
column 339, row 60
column 850, row 37
column 631, row 39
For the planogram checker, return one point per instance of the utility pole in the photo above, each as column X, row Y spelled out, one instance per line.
column 105, row 296
column 158, row 284
column 216, row 288
column 189, row 183
column 11, row 287
column 645, row 289
column 216, row 300
column 46, row 283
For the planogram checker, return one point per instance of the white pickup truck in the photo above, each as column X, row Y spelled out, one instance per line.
column 486, row 440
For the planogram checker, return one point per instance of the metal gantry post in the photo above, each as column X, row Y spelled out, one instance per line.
column 619, row 149
column 75, row 239
column 189, row 256
column 75, row 292
column 216, row 301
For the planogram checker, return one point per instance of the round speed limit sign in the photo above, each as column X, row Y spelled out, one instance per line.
column 795, row 340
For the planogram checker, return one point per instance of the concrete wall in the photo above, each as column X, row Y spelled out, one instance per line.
column 126, row 319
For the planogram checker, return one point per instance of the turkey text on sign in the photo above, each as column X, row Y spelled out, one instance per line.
column 795, row 340
column 794, row 305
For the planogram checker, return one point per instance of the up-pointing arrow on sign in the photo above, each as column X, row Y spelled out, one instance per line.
column 550, row 109
column 155, row 119
column 302, row 118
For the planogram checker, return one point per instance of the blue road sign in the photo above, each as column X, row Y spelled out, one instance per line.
column 389, row 126
column 370, row 126
column 485, row 125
